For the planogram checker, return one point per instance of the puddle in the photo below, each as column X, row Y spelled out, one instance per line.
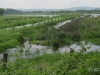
column 19, row 27
column 62, row 23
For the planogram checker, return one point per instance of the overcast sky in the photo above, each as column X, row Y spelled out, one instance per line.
column 51, row 4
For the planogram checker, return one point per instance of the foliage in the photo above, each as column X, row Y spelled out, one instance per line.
column 2, row 11
column 12, row 11
column 21, row 39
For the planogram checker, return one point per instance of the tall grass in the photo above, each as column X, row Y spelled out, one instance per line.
column 90, row 29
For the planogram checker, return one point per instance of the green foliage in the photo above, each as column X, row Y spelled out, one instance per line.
column 90, row 29
column 8, row 44
column 12, row 21
column 12, row 11
column 21, row 39
column 77, row 63
column 2, row 11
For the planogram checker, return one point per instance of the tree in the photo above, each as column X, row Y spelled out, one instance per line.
column 12, row 11
column 1, row 11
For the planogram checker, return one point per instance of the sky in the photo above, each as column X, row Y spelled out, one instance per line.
column 47, row 4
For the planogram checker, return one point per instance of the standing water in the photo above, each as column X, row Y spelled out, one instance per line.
column 33, row 50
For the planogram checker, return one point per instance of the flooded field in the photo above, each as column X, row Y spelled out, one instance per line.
column 33, row 50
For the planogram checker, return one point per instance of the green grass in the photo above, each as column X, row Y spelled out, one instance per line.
column 90, row 29
column 12, row 21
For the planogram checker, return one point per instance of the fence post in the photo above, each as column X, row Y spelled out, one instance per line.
column 71, row 51
column 5, row 56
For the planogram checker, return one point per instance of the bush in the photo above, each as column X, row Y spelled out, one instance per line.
column 21, row 39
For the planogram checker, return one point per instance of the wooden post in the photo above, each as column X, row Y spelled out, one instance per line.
column 71, row 51
column 5, row 56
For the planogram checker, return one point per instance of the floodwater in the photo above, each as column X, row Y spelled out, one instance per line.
column 28, row 51
column 33, row 50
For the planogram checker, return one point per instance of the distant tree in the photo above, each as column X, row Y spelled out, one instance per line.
column 12, row 11
column 2, row 11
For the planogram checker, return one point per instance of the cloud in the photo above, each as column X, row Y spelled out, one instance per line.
column 29, row 4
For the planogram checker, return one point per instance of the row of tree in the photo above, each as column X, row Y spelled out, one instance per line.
column 9, row 11
column 89, row 11
column 14, row 11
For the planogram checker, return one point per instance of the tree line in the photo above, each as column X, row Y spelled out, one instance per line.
column 9, row 11
column 16, row 12
column 2, row 11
